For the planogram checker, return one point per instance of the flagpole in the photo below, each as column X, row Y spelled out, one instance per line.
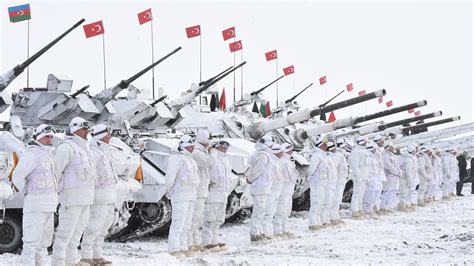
column 28, row 55
column 103, row 53
column 234, row 72
column 276, row 76
column 241, row 74
column 200, row 59
column 200, row 64
column 152, row 61
column 294, row 85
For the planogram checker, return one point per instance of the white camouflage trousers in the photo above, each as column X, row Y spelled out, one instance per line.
column 38, row 229
column 194, row 237
column 180, row 228
column 258, row 214
column 358, row 190
column 214, row 217
column 72, row 223
column 101, row 218
column 317, row 196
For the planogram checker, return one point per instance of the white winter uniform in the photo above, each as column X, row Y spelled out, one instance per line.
column 342, row 175
column 319, row 168
column 182, row 186
column 204, row 162
column 391, row 186
column 260, row 177
column 449, row 173
column 34, row 176
column 374, row 184
column 329, row 194
column 220, row 187
column 358, row 164
column 437, row 176
column 381, row 175
column 422, row 166
column 283, row 210
column 76, row 170
column 407, row 183
column 426, row 163
column 103, row 210
column 414, row 197
column 272, row 200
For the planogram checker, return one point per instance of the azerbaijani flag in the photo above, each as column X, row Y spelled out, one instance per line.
column 19, row 13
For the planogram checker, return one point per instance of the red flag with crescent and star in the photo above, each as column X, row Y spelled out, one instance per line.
column 349, row 87
column 193, row 31
column 289, row 70
column 271, row 55
column 228, row 33
column 94, row 29
column 235, row 46
column 322, row 80
column 145, row 16
column 381, row 99
column 362, row 93
column 389, row 103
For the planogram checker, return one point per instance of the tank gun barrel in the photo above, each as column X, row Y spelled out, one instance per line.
column 253, row 93
column 108, row 94
column 202, row 83
column 391, row 111
column 348, row 102
column 430, row 124
column 162, row 98
column 257, row 130
column 410, row 120
column 298, row 94
column 83, row 89
column 190, row 95
column 21, row 67
column 434, row 135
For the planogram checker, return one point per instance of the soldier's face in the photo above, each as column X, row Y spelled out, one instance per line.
column 46, row 140
column 190, row 149
column 107, row 138
column 83, row 132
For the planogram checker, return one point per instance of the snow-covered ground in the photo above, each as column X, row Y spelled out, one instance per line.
column 440, row 233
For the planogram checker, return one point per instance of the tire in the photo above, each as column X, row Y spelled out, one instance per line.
column 10, row 234
column 232, row 212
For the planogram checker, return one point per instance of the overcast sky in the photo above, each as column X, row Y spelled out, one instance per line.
column 415, row 51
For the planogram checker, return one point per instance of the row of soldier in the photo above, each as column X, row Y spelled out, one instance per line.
column 199, row 179
column 79, row 176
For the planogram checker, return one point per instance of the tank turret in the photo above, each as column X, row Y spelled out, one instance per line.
column 8, row 77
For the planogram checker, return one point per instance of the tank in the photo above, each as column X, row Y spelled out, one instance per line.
column 7, row 78
column 57, row 105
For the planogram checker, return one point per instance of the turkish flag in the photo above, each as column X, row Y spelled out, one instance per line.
column 322, row 80
column 145, row 16
column 94, row 29
column 362, row 93
column 411, row 110
column 417, row 113
column 332, row 117
column 389, row 103
column 289, row 70
column 235, row 46
column 349, row 87
column 228, row 33
column 222, row 104
column 381, row 99
column 271, row 55
column 193, row 31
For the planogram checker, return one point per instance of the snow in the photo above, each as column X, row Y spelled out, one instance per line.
column 440, row 233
